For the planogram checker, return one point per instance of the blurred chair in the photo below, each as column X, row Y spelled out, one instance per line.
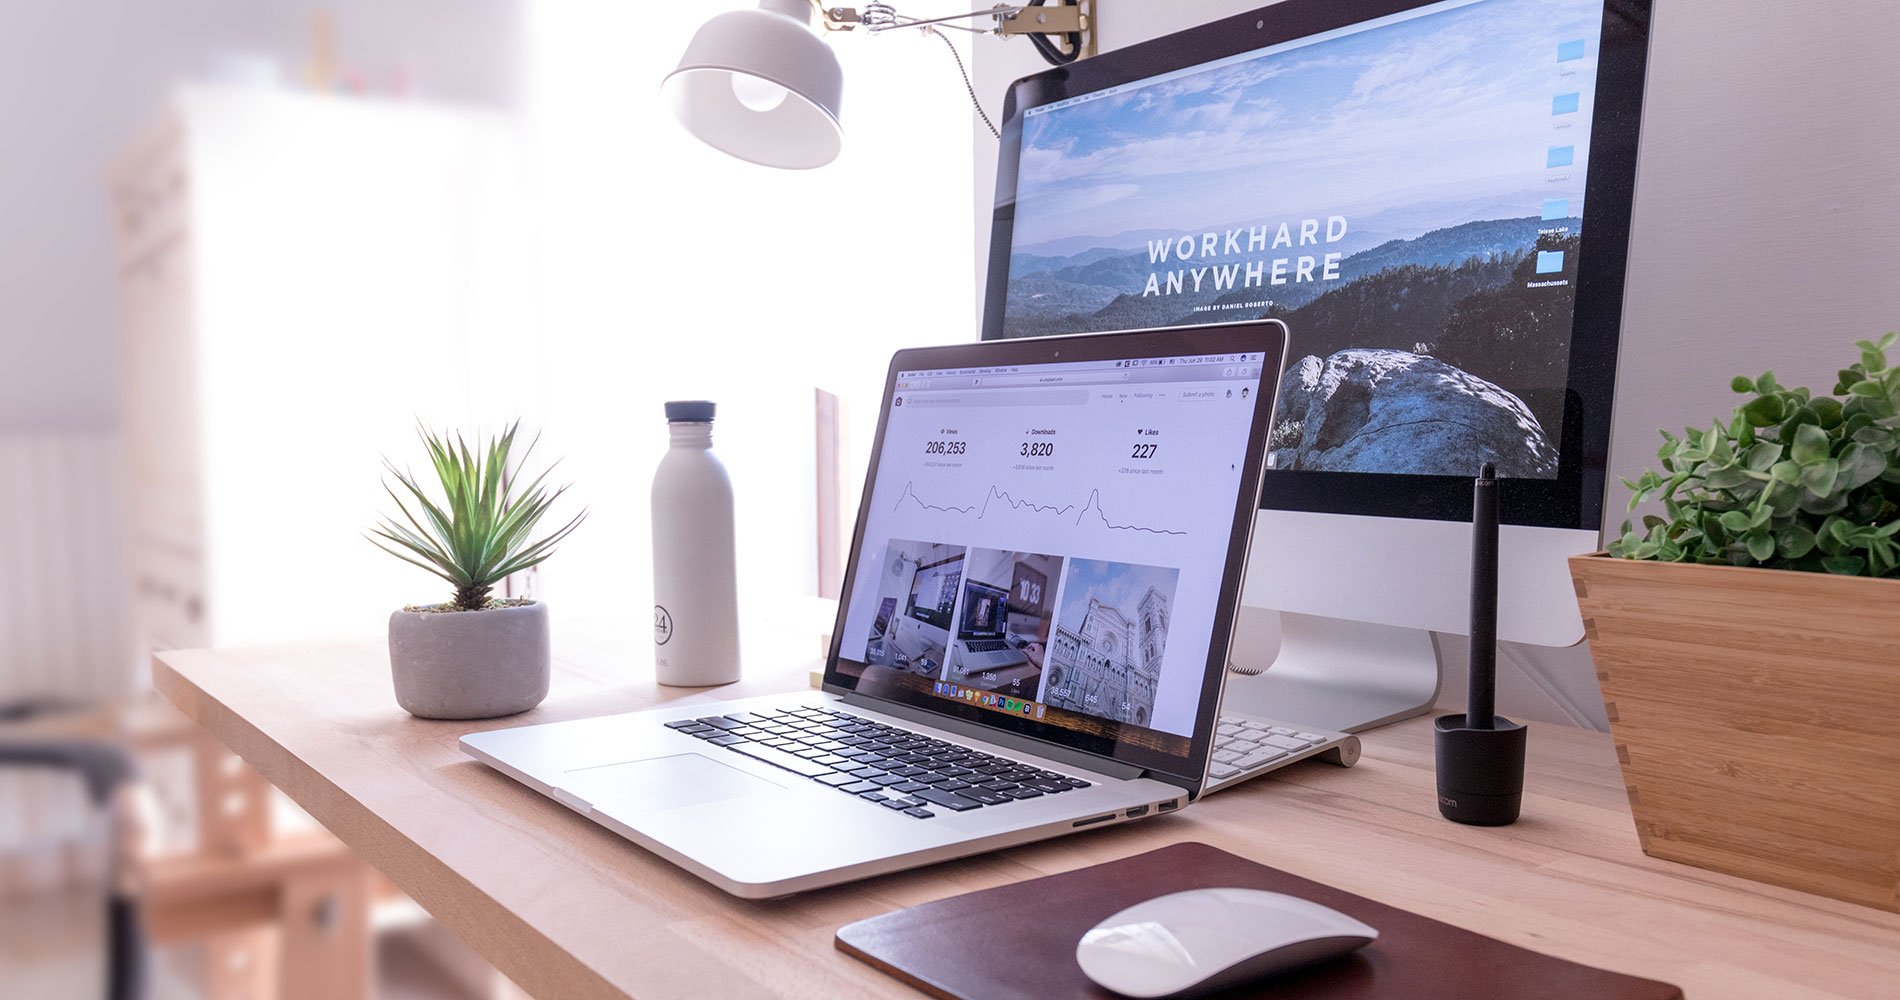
column 278, row 915
column 107, row 770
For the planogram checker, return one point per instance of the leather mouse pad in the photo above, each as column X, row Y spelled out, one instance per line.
column 1017, row 942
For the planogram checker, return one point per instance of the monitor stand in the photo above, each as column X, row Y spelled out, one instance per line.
column 1331, row 673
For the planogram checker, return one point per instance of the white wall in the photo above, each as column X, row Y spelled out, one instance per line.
column 1766, row 203
column 79, row 77
column 78, row 80
column 674, row 271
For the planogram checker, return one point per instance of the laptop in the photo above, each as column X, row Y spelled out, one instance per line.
column 1114, row 477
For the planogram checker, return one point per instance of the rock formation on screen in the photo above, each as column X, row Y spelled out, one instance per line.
column 1398, row 412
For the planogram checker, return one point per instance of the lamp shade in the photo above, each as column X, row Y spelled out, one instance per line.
column 758, row 84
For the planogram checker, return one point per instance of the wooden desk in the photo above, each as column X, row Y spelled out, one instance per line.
column 569, row 910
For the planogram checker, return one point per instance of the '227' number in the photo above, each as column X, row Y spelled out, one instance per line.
column 1144, row 451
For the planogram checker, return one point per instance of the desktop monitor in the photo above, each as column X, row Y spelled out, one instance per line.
column 1435, row 197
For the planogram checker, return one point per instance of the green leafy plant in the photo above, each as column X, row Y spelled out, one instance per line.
column 479, row 534
column 1792, row 481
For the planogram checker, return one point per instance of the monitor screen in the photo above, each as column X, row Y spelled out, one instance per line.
column 885, row 609
column 983, row 607
column 1082, row 522
column 1432, row 196
column 933, row 591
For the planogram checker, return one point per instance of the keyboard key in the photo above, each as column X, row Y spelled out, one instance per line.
column 726, row 741
column 988, row 798
column 1074, row 782
column 889, row 779
column 1047, row 786
column 905, row 800
column 831, row 760
column 1284, row 743
column 859, row 787
column 835, row 779
column 1242, row 746
column 746, row 717
column 952, row 785
column 1020, row 792
column 910, row 786
column 999, row 786
column 779, row 758
column 682, row 723
column 1281, row 731
column 707, row 732
column 898, row 804
column 919, row 812
column 1226, row 756
column 1222, row 771
column 948, row 800
column 1256, row 759
column 1310, row 737
column 867, row 773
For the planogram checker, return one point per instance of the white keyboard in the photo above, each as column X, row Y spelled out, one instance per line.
column 1247, row 746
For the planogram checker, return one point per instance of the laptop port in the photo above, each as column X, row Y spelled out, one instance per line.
column 1169, row 806
column 1137, row 811
column 1094, row 820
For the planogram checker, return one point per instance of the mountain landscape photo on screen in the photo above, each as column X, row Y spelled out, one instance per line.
column 1407, row 195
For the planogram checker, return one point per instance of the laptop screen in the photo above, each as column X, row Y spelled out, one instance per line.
column 1062, row 533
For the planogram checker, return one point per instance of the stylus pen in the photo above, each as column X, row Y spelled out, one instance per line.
column 1482, row 683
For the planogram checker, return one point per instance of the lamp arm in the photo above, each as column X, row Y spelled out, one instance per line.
column 1000, row 13
column 881, row 17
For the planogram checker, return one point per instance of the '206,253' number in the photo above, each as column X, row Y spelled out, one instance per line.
column 1144, row 451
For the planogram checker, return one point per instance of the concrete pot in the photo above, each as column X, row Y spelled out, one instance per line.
column 470, row 664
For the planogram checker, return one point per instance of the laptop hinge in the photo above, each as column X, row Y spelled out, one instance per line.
column 1087, row 761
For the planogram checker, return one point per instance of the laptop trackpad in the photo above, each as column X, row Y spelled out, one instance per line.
column 686, row 779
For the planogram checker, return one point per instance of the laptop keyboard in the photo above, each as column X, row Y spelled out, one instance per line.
column 894, row 767
column 986, row 645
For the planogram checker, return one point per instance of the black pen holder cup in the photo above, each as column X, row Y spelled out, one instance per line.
column 1480, row 771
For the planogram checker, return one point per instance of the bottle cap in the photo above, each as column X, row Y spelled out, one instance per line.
column 696, row 411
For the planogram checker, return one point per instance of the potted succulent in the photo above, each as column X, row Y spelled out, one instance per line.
column 475, row 656
column 1747, row 638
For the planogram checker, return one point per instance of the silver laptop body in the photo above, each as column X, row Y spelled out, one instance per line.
column 1112, row 478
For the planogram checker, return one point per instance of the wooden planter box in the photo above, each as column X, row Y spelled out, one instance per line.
column 1756, row 715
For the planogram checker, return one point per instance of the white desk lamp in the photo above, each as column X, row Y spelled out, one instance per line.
column 761, row 85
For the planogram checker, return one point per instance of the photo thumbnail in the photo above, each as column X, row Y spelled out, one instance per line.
column 1003, row 625
column 916, row 601
column 1110, row 638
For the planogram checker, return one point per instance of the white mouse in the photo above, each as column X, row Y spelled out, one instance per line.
column 1188, row 943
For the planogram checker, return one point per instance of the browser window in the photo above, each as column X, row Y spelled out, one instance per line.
column 1053, row 538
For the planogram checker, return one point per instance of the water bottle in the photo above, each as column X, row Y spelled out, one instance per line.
column 695, row 576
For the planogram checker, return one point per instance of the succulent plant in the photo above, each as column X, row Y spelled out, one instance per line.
column 479, row 535
column 1791, row 481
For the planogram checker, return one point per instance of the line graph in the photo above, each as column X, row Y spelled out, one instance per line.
column 1092, row 504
